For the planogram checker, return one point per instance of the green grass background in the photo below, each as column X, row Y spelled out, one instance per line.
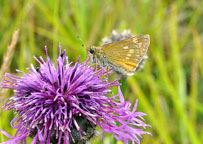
column 169, row 88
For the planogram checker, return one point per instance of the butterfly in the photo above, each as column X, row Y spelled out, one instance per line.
column 124, row 56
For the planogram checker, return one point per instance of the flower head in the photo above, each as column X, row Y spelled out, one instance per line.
column 52, row 102
column 116, row 36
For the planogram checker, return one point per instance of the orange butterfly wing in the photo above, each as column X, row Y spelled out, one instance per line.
column 128, row 53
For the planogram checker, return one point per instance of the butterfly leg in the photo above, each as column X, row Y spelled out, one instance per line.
column 107, row 71
column 95, row 63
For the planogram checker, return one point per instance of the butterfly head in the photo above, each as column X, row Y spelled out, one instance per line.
column 92, row 50
column 98, row 56
column 92, row 54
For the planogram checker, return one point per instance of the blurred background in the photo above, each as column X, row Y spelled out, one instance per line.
column 170, row 87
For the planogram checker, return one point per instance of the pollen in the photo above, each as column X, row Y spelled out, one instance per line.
column 125, row 47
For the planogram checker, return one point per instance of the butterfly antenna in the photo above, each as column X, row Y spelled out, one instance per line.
column 83, row 45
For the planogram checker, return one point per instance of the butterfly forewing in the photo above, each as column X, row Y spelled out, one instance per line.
column 127, row 53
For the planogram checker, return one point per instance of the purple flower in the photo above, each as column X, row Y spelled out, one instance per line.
column 50, row 103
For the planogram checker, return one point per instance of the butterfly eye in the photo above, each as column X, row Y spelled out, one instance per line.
column 91, row 51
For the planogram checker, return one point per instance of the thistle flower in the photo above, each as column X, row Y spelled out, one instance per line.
column 52, row 103
column 116, row 36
